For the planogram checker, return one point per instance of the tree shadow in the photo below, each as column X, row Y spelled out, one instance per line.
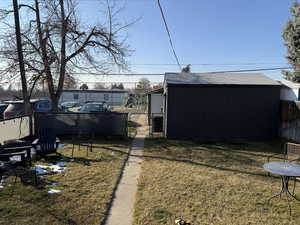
column 242, row 158
column 134, row 124
column 246, row 158
column 224, row 156
column 53, row 159
column 118, row 181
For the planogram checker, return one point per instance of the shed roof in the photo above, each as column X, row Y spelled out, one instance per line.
column 289, row 84
column 219, row 79
column 156, row 91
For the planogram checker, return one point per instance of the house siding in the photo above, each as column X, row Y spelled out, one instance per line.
column 222, row 112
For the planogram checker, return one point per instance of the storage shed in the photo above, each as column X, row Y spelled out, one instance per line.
column 221, row 106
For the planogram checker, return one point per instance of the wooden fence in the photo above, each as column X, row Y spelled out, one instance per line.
column 290, row 120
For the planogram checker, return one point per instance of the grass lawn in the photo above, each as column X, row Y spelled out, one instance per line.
column 86, row 189
column 210, row 184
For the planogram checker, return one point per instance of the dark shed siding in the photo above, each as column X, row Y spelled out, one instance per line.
column 223, row 113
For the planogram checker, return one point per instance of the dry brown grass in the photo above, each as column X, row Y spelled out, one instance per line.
column 128, row 109
column 86, row 188
column 210, row 184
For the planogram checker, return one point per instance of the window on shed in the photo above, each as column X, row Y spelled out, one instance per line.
column 76, row 96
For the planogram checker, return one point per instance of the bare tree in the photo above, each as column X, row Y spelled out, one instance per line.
column 56, row 44
column 99, row 85
column 158, row 86
column 84, row 87
column 117, row 86
column 70, row 82
column 143, row 86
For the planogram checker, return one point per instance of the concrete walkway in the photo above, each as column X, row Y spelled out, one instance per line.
column 122, row 209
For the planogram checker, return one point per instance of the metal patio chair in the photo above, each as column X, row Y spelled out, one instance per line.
column 291, row 153
column 83, row 139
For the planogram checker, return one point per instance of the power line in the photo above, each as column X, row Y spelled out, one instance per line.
column 174, row 64
column 206, row 64
column 90, row 1
column 169, row 34
column 119, row 74
column 252, row 70
column 162, row 74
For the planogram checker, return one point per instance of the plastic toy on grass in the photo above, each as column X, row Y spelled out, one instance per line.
column 182, row 222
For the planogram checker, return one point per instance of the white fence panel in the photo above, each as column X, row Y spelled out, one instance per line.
column 14, row 128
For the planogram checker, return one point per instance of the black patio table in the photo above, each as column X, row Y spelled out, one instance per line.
column 286, row 170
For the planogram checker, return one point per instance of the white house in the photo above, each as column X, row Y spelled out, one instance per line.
column 289, row 91
column 113, row 97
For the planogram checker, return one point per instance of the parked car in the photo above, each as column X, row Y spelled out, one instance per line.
column 95, row 107
column 2, row 109
column 17, row 108
column 70, row 104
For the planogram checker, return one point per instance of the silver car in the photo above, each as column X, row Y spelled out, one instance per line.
column 95, row 107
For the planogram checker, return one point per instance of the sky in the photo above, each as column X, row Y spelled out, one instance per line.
column 215, row 32
column 205, row 32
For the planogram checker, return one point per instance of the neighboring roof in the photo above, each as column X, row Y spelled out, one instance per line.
column 156, row 91
column 289, row 84
column 98, row 91
column 219, row 79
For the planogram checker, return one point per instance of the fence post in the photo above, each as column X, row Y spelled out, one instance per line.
column 31, row 125
column 126, row 125
column 77, row 121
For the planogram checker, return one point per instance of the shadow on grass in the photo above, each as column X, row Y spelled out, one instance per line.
column 113, row 195
column 133, row 124
column 62, row 218
column 40, row 196
column 117, row 144
column 242, row 158
column 53, row 159
column 238, row 155
column 231, row 157
column 66, row 154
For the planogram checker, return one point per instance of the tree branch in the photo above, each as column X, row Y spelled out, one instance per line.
column 81, row 48
column 27, row 6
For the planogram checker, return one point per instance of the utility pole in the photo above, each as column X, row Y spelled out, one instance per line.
column 20, row 57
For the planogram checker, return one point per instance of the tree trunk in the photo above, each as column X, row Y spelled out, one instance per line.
column 62, row 53
column 42, row 43
column 55, row 101
column 26, row 98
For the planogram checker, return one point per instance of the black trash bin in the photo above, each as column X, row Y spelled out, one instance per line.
column 157, row 125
